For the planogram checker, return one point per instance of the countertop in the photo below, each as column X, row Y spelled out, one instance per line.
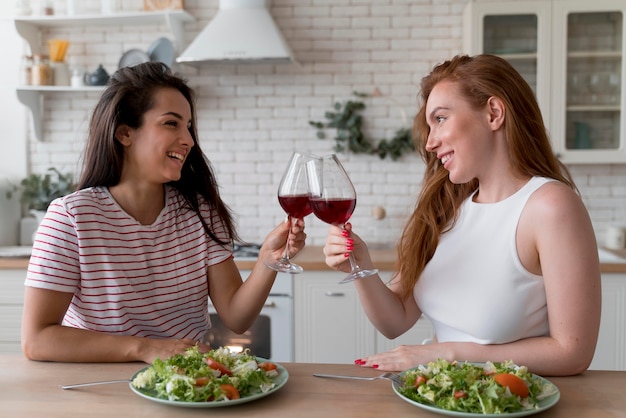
column 31, row 389
column 311, row 258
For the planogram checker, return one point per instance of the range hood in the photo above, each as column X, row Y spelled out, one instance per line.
column 241, row 31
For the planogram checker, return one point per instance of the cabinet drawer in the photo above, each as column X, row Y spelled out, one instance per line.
column 12, row 286
column 10, row 323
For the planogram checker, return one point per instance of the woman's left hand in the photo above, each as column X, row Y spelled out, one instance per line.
column 403, row 357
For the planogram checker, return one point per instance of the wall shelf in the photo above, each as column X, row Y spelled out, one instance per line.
column 29, row 28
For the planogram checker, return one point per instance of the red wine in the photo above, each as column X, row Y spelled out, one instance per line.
column 296, row 206
column 333, row 211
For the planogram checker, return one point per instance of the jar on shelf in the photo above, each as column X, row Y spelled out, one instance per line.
column 26, row 70
column 41, row 72
column 48, row 7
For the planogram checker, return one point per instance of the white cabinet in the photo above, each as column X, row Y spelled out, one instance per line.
column 11, row 302
column 331, row 326
column 30, row 27
column 611, row 349
column 572, row 53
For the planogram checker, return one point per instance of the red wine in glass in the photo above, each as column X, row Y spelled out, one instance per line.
column 333, row 211
column 333, row 200
column 293, row 196
column 296, row 206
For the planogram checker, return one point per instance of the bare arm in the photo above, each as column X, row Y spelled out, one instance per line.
column 382, row 304
column 555, row 239
column 238, row 303
column 45, row 339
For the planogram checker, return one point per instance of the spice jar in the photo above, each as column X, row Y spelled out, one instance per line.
column 48, row 8
column 25, row 70
column 41, row 72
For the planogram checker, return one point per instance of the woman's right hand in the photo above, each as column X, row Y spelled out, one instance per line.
column 340, row 242
column 153, row 348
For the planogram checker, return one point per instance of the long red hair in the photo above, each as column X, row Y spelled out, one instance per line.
column 478, row 78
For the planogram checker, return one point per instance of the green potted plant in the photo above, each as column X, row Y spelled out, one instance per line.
column 37, row 191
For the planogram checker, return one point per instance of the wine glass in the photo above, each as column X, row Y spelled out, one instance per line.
column 293, row 196
column 333, row 199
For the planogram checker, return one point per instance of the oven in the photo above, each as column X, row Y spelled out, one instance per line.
column 271, row 336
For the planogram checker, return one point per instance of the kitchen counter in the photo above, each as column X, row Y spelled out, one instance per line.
column 312, row 258
column 32, row 389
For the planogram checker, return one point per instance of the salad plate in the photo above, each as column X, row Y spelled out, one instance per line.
column 545, row 402
column 151, row 395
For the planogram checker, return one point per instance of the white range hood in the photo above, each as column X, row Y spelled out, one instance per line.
column 241, row 31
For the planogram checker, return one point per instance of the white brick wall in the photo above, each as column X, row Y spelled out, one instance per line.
column 252, row 116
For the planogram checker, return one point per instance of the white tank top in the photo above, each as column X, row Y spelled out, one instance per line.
column 475, row 288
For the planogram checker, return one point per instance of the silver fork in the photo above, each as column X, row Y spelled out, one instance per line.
column 387, row 375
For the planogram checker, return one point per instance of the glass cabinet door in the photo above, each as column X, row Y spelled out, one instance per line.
column 594, row 80
column 514, row 38
column 518, row 31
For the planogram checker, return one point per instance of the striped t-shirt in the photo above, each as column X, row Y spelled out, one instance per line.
column 128, row 278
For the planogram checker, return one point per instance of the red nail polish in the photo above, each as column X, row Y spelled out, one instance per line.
column 358, row 361
column 345, row 233
column 349, row 241
column 374, row 366
column 346, row 255
column 349, row 247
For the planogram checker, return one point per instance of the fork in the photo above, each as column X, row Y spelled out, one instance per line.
column 387, row 375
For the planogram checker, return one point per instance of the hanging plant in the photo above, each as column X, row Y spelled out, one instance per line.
column 347, row 120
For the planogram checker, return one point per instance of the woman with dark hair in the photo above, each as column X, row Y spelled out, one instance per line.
column 499, row 252
column 122, row 269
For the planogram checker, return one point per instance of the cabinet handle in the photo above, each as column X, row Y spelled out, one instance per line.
column 334, row 294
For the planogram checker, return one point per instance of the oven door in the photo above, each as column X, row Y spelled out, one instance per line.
column 269, row 337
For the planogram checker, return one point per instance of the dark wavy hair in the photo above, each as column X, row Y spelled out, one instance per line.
column 129, row 95
column 478, row 78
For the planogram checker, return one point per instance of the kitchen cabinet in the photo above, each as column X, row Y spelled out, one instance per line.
column 572, row 53
column 11, row 302
column 611, row 349
column 331, row 326
column 30, row 27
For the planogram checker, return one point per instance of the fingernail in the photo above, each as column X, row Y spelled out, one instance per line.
column 350, row 241
column 349, row 247
column 346, row 255
column 345, row 233
column 374, row 366
column 359, row 361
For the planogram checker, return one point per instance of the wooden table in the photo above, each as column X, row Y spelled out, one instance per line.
column 32, row 389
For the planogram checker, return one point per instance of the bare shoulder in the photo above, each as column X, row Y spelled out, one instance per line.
column 554, row 200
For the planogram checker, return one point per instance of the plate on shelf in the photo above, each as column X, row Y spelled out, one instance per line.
column 162, row 50
column 133, row 57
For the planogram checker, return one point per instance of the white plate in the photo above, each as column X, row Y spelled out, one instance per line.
column 280, row 381
column 162, row 50
column 133, row 57
column 545, row 403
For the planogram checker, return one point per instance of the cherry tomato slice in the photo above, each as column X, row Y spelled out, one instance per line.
column 230, row 391
column 216, row 365
column 267, row 366
column 515, row 384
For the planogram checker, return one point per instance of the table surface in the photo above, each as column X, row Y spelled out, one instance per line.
column 32, row 389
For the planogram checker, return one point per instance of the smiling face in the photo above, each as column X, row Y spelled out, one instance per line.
column 461, row 137
column 156, row 151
